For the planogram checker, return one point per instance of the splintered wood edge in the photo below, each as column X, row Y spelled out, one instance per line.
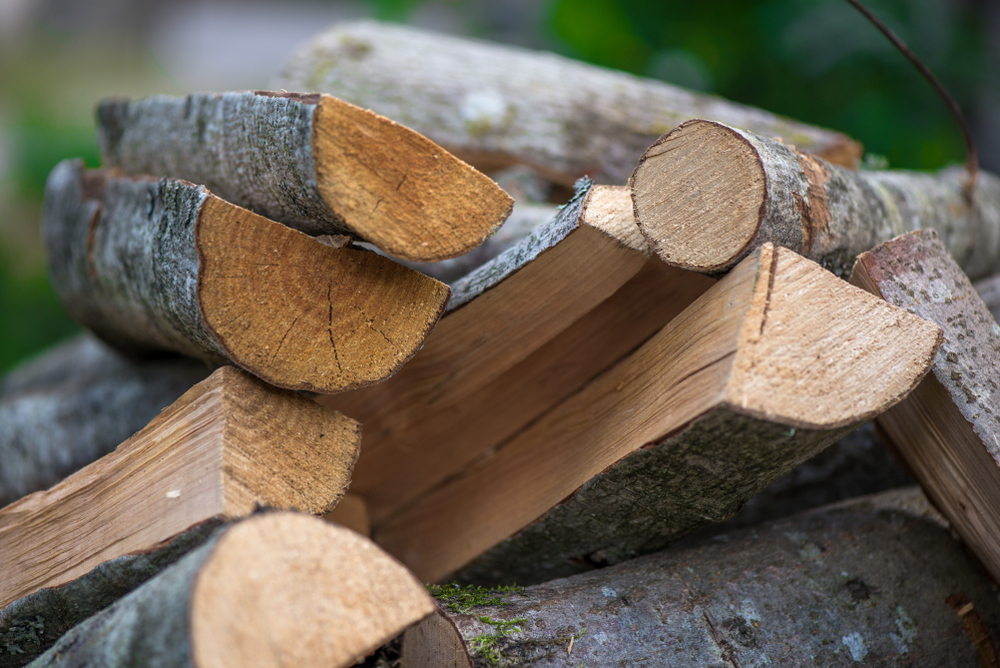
column 291, row 590
column 399, row 190
column 304, row 315
column 819, row 353
column 699, row 194
column 609, row 209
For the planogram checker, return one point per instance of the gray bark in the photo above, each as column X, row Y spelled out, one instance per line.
column 862, row 583
column 497, row 105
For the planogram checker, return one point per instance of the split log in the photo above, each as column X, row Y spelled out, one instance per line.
column 495, row 106
column 864, row 583
column 706, row 195
column 164, row 265
column 276, row 589
column 947, row 431
column 313, row 162
column 74, row 404
column 524, row 332
column 229, row 445
column 351, row 512
column 756, row 376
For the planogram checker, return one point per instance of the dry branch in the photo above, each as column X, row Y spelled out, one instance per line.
column 164, row 265
column 498, row 105
column 757, row 375
column 706, row 195
column 313, row 162
column 229, row 445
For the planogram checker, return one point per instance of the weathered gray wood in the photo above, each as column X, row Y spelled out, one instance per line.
column 498, row 105
column 75, row 403
column 706, row 195
column 862, row 583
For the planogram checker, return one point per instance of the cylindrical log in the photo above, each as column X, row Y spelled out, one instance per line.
column 706, row 195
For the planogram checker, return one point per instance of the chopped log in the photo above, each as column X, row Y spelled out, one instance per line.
column 165, row 265
column 276, row 589
column 537, row 323
column 495, row 105
column 706, row 195
column 313, row 162
column 74, row 404
column 229, row 445
column 351, row 512
column 947, row 429
column 864, row 583
column 756, row 376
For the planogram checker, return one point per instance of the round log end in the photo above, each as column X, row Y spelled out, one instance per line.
column 399, row 190
column 699, row 195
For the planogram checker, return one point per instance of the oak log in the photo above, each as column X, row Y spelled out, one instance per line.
column 313, row 162
column 861, row 583
column 165, row 265
column 947, row 430
column 228, row 445
column 758, row 374
column 495, row 105
column 276, row 589
column 706, row 195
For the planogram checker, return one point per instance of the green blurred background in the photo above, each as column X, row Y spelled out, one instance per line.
column 814, row 60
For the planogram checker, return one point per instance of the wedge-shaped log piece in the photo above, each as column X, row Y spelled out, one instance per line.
column 947, row 430
column 770, row 365
column 706, row 195
column 313, row 162
column 863, row 583
column 165, row 265
column 496, row 105
column 525, row 331
column 229, row 445
column 276, row 589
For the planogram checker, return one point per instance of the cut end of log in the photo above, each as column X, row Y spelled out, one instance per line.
column 292, row 590
column 407, row 195
column 699, row 194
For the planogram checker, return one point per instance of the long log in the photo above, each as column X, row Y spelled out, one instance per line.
column 276, row 589
column 706, row 195
column 165, row 265
column 75, row 403
column 947, row 431
column 864, row 583
column 757, row 375
column 495, row 105
column 316, row 163
column 229, row 445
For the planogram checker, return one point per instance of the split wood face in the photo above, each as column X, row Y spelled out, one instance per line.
column 316, row 163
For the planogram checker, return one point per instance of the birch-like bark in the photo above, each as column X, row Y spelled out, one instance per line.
column 496, row 105
column 706, row 195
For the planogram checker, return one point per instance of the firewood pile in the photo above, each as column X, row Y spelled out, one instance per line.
column 297, row 306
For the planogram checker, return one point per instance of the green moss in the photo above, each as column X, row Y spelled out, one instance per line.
column 463, row 599
column 22, row 632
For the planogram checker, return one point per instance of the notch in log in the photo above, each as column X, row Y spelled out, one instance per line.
column 227, row 446
column 706, row 195
column 165, row 265
column 769, row 366
column 313, row 162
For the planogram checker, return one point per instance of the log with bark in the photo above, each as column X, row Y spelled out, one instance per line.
column 947, row 431
column 165, row 265
column 862, row 583
column 706, row 195
column 276, row 589
column 227, row 446
column 74, row 404
column 495, row 105
column 769, row 366
column 316, row 163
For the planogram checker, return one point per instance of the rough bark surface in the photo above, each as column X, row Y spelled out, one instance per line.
column 498, row 105
column 864, row 583
column 74, row 404
column 826, row 213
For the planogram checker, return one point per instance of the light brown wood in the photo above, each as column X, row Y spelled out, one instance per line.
column 778, row 341
column 351, row 512
column 227, row 446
